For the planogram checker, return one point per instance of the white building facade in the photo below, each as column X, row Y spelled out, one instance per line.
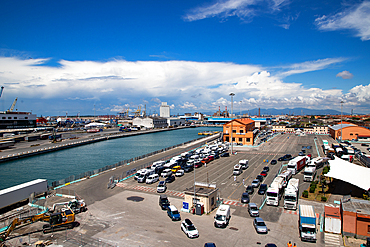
column 164, row 110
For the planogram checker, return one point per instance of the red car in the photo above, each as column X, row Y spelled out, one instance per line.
column 198, row 164
column 264, row 173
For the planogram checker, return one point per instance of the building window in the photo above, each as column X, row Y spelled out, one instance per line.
column 26, row 118
column 4, row 117
column 240, row 139
column 351, row 134
column 368, row 228
column 241, row 131
column 9, row 117
column 212, row 200
column 248, row 139
column 234, row 131
column 15, row 117
column 233, row 139
column 227, row 139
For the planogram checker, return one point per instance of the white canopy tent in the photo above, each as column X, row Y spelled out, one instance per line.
column 350, row 173
column 95, row 125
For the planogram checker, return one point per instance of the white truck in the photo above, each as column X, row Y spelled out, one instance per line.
column 309, row 173
column 307, row 223
column 274, row 192
column 291, row 194
column 296, row 164
column 222, row 216
column 286, row 175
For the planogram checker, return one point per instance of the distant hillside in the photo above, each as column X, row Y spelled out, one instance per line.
column 287, row 111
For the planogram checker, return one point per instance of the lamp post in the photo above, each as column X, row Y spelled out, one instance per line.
column 240, row 104
column 341, row 121
column 232, row 95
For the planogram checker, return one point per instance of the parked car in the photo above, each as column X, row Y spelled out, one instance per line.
column 364, row 144
column 209, row 245
column 152, row 179
column 253, row 210
column 273, row 162
column 198, row 164
column 266, row 168
column 175, row 169
column 249, row 189
column 141, row 178
column 226, row 154
column 188, row 168
column 164, row 203
column 173, row 213
column 259, row 225
column 260, row 177
column 179, row 173
column 256, row 183
column 162, row 187
column 189, row 229
column 170, row 179
column 262, row 190
column 166, row 172
column 263, row 173
column 245, row 198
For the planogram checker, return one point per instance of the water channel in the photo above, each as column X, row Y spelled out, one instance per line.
column 61, row 164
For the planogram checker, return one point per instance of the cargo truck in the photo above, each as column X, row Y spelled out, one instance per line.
column 307, row 223
column 274, row 192
column 309, row 173
column 296, row 164
column 291, row 194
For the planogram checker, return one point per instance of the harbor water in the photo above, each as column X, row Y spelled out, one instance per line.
column 64, row 163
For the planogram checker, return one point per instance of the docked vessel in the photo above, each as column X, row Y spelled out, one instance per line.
column 17, row 120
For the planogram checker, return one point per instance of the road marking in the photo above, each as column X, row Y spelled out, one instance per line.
column 332, row 239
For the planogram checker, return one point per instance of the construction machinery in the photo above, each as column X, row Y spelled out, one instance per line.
column 76, row 205
column 56, row 221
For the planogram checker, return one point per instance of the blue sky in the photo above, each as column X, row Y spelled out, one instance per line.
column 70, row 57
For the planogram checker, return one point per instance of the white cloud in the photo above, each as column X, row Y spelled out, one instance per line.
column 345, row 74
column 308, row 66
column 244, row 9
column 356, row 18
column 185, row 85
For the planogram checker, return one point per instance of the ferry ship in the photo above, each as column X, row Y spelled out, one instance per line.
column 17, row 120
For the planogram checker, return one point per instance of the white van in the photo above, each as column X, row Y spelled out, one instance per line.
column 237, row 169
column 222, row 216
column 244, row 164
column 152, row 179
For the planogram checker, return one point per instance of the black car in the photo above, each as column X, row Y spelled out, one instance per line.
column 266, row 169
column 216, row 156
column 260, row 178
column 170, row 179
column 188, row 168
column 262, row 190
column 226, row 154
column 245, row 198
column 164, row 203
column 364, row 144
column 249, row 189
column 273, row 162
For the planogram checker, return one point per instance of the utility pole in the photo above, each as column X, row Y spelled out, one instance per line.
column 232, row 95
column 341, row 120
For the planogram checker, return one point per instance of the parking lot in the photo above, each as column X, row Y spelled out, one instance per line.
column 129, row 215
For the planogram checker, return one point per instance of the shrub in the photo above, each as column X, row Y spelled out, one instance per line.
column 324, row 199
column 312, row 189
column 305, row 194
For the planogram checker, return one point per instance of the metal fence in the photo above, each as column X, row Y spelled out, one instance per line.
column 87, row 174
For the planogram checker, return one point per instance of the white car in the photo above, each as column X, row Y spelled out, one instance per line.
column 161, row 188
column 179, row 173
column 237, row 170
column 152, row 179
column 166, row 172
column 189, row 229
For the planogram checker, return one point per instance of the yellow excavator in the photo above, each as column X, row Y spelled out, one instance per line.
column 56, row 221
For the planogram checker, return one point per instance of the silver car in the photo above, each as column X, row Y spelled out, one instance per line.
column 255, row 183
column 259, row 225
column 253, row 210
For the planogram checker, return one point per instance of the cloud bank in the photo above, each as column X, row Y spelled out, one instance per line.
column 356, row 19
column 187, row 86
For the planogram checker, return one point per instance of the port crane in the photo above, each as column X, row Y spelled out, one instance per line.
column 13, row 105
column 56, row 221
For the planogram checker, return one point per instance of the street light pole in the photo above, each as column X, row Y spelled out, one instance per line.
column 341, row 121
column 240, row 104
column 232, row 95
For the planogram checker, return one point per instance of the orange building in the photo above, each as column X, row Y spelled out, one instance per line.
column 242, row 131
column 356, row 218
column 349, row 131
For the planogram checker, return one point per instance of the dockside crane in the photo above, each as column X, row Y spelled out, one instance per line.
column 12, row 106
column 1, row 91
